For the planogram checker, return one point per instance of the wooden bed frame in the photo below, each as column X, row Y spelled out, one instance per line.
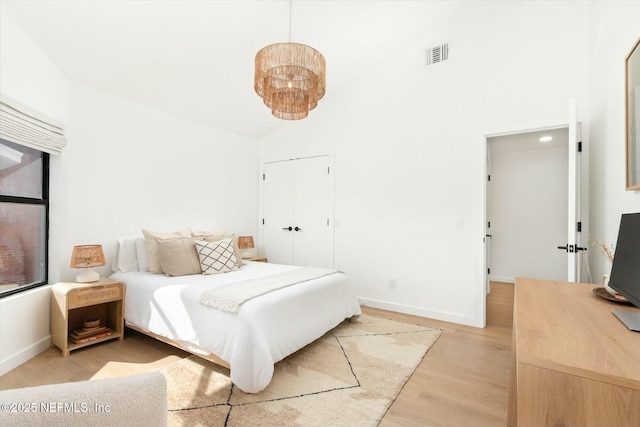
column 210, row 357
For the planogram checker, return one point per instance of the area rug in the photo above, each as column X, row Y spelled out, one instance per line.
column 348, row 377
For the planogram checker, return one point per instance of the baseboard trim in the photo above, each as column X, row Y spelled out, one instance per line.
column 22, row 356
column 417, row 311
column 502, row 279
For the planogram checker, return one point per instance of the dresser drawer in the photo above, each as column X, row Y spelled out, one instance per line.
column 84, row 297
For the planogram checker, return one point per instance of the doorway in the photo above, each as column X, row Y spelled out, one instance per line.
column 527, row 210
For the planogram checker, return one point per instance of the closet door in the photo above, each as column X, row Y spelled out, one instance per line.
column 278, row 212
column 313, row 213
column 298, row 211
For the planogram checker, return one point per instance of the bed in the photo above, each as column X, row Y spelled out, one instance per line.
column 264, row 330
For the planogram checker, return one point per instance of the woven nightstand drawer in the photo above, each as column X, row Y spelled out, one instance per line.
column 84, row 297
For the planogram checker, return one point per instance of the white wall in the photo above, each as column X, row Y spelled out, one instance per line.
column 409, row 140
column 132, row 167
column 27, row 73
column 29, row 77
column 613, row 32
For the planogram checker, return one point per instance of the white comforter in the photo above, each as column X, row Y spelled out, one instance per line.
column 265, row 329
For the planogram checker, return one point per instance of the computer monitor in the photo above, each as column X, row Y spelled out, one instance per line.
column 625, row 271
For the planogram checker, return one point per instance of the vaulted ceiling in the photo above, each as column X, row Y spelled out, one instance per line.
column 195, row 59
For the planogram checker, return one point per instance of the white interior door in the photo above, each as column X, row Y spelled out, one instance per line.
column 278, row 212
column 487, row 236
column 313, row 229
column 298, row 212
column 573, row 247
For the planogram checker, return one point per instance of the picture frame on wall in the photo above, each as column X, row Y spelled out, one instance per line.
column 632, row 108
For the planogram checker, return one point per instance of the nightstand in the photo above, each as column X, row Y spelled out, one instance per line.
column 257, row 259
column 74, row 303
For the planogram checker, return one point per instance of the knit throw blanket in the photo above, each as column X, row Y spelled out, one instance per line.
column 230, row 297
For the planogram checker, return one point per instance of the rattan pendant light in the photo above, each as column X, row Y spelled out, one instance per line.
column 290, row 78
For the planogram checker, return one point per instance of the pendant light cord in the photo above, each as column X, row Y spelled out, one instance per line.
column 290, row 5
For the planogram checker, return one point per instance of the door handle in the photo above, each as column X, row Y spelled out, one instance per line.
column 287, row 228
column 572, row 248
column 298, row 228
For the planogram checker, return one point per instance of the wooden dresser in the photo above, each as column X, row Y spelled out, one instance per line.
column 573, row 362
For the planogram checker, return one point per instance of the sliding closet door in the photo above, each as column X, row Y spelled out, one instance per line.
column 298, row 212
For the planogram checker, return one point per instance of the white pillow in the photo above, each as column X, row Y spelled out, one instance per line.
column 126, row 258
column 216, row 257
column 141, row 252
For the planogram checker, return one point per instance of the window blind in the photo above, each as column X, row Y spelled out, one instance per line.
column 23, row 126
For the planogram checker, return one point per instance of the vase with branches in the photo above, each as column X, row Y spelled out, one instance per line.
column 608, row 252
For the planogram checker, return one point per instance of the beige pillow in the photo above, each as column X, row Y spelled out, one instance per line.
column 200, row 235
column 178, row 256
column 151, row 244
column 234, row 239
column 216, row 257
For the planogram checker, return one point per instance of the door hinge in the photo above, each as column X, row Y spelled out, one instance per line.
column 579, row 227
column 579, row 146
column 488, row 224
column 262, row 221
column 328, row 170
column 488, row 177
column 488, row 271
column 263, row 176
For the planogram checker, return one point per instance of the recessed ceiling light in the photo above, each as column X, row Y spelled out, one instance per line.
column 546, row 138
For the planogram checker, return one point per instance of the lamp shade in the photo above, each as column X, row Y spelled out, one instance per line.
column 245, row 242
column 87, row 256
column 290, row 78
column 246, row 246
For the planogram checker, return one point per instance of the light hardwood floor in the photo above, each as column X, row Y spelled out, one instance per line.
column 462, row 381
column 464, row 378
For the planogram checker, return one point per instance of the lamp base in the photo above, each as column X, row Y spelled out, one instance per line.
column 86, row 276
column 248, row 253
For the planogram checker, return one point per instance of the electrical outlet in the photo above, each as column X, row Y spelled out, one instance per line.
column 392, row 283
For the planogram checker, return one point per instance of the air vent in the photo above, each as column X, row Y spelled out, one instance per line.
column 437, row 54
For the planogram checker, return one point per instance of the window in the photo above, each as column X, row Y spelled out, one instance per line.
column 24, row 217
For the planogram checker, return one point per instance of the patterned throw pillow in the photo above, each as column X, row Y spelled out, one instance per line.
column 216, row 257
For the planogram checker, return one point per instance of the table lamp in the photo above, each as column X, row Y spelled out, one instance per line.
column 85, row 257
column 245, row 244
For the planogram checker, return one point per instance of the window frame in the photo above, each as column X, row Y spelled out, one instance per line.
column 43, row 201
